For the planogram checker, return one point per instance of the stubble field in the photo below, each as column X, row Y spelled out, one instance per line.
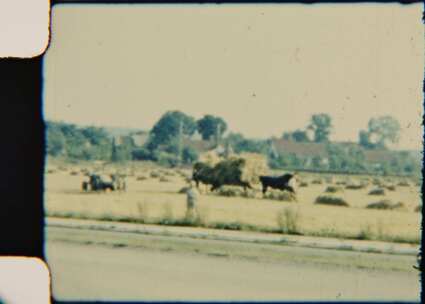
column 157, row 200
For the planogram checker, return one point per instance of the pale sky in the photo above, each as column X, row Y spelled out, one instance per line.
column 264, row 68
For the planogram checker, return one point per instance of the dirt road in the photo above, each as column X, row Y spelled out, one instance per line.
column 93, row 265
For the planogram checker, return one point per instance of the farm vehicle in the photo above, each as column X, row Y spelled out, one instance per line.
column 97, row 182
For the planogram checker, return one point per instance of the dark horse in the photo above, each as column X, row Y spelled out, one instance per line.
column 277, row 182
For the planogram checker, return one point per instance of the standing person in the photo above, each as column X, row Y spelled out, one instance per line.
column 192, row 196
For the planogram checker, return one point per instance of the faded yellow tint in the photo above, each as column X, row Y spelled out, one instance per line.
column 264, row 68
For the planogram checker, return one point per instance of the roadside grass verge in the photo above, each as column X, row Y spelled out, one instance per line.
column 288, row 225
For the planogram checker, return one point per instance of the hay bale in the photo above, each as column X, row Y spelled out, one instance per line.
column 355, row 186
column 229, row 191
column 390, row 187
column 386, row 205
column 317, row 181
column 333, row 200
column 155, row 174
column 341, row 183
column 418, row 208
column 403, row 184
column 164, row 179
column 74, row 173
column 141, row 178
column 377, row 182
column 303, row 184
column 333, row 189
column 377, row 191
column 277, row 195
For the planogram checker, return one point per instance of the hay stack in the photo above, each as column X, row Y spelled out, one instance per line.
column 403, row 184
column 210, row 158
column 333, row 189
column 330, row 199
column 355, row 186
column 245, row 167
column 303, row 184
column 377, row 191
column 254, row 165
column 242, row 170
column 386, row 205
column 377, row 182
column 317, row 181
column 155, row 174
column 390, row 187
column 164, row 179
column 280, row 196
column 229, row 191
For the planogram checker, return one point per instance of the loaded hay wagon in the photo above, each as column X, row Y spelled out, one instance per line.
column 239, row 170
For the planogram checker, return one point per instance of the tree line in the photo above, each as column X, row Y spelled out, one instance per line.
column 167, row 143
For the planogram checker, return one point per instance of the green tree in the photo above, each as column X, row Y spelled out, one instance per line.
column 122, row 151
column 165, row 159
column 56, row 141
column 386, row 129
column 321, row 124
column 73, row 142
column 364, row 140
column 234, row 139
column 381, row 131
column 297, row 135
column 211, row 127
column 96, row 136
column 190, row 155
column 317, row 162
column 171, row 125
column 141, row 154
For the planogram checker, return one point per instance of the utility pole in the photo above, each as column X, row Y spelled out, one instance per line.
column 180, row 152
column 217, row 135
column 114, row 156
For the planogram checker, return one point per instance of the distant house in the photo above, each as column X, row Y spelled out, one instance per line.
column 379, row 156
column 302, row 149
column 309, row 150
column 199, row 145
column 123, row 140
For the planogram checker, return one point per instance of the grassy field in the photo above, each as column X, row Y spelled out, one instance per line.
column 156, row 200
